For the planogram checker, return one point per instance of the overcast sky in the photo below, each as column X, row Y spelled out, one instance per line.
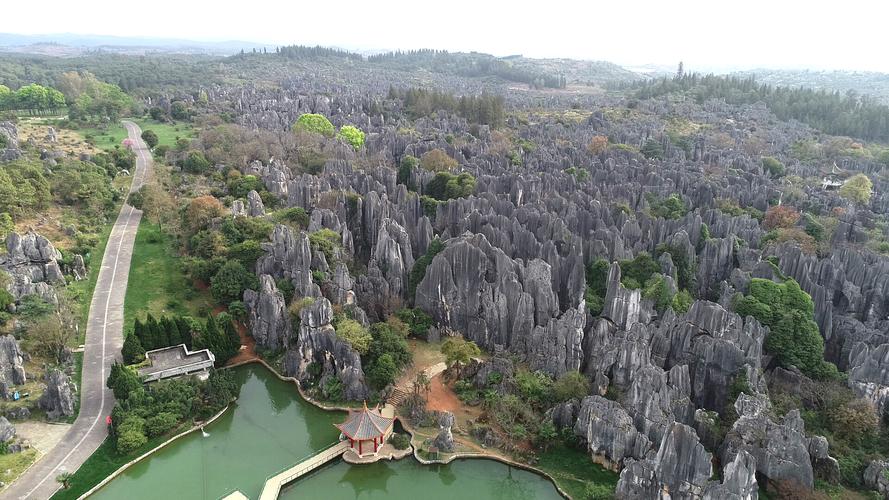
column 818, row 34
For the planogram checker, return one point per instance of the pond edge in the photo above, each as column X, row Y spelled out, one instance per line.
column 145, row 455
column 409, row 430
column 307, row 398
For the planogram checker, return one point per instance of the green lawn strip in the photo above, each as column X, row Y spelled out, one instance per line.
column 104, row 461
column 105, row 137
column 573, row 470
column 167, row 133
column 157, row 283
column 82, row 291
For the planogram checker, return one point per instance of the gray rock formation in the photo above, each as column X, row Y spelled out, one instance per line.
column 445, row 438
column 58, row 398
column 32, row 261
column 876, row 477
column 824, row 466
column 474, row 288
column 739, row 480
column 238, row 209
column 781, row 450
column 267, row 315
column 289, row 256
column 12, row 371
column 869, row 374
column 318, row 343
column 680, row 469
column 608, row 432
column 255, row 208
column 78, row 268
column 7, row 430
column 564, row 415
column 621, row 305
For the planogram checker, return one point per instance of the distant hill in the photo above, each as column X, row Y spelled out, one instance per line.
column 873, row 84
column 69, row 44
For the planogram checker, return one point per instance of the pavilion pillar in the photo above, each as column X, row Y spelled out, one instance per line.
column 351, row 443
column 360, row 442
column 375, row 445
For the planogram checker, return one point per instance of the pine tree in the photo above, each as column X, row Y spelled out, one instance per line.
column 173, row 334
column 185, row 331
column 153, row 334
column 139, row 332
column 132, row 351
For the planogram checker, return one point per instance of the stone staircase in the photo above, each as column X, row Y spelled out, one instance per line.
column 397, row 396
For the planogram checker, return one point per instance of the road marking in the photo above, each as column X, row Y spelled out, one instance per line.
column 104, row 330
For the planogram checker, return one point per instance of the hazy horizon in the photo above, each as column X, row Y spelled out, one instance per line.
column 634, row 33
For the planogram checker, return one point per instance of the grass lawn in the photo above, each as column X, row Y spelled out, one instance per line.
column 105, row 137
column 167, row 133
column 13, row 464
column 574, row 471
column 157, row 282
column 112, row 134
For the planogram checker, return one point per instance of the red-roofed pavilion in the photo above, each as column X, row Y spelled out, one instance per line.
column 365, row 426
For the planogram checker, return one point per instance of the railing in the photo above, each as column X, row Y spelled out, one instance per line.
column 273, row 483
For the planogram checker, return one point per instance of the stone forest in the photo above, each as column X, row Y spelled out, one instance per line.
column 302, row 272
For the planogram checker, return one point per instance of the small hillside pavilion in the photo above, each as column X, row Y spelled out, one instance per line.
column 366, row 429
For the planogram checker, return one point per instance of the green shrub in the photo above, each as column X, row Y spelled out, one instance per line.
column 355, row 334
column 352, row 135
column 400, row 441
column 161, row 423
column 774, row 167
column 130, row 440
column 314, row 123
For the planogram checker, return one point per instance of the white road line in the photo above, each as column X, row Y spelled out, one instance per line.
column 104, row 330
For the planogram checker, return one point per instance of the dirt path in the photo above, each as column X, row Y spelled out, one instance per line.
column 441, row 397
column 248, row 347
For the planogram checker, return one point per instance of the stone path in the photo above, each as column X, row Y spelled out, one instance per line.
column 104, row 338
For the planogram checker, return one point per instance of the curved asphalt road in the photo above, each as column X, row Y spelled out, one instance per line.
column 104, row 338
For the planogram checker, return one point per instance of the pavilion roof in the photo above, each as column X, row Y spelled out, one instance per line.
column 365, row 424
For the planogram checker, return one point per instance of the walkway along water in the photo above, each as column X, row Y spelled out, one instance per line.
column 104, row 338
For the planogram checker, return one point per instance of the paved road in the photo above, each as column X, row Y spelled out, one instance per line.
column 104, row 338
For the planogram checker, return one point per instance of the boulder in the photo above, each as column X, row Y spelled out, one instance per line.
column 7, row 430
column 255, row 208
column 58, row 398
column 824, row 466
column 876, row 477
column 12, row 370
column 445, row 439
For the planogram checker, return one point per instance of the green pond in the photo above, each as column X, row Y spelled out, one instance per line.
column 271, row 428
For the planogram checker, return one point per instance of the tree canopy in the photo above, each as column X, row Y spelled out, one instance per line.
column 314, row 123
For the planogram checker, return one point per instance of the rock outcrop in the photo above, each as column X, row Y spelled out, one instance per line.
column 445, row 438
column 12, row 370
column 33, row 263
column 7, row 430
column 255, row 208
column 58, row 398
column 876, row 477
column 608, row 432
column 318, row 344
column 680, row 469
column 781, row 450
column 267, row 315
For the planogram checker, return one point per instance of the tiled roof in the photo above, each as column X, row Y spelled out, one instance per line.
column 365, row 424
